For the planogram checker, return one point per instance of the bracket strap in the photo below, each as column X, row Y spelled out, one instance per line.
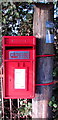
column 46, row 55
column 45, row 84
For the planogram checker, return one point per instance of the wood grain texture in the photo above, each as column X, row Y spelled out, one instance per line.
column 44, row 66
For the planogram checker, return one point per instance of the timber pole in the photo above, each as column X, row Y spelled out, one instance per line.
column 44, row 65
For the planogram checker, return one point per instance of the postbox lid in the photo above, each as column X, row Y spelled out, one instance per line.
column 19, row 40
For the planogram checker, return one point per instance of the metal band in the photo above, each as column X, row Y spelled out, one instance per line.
column 46, row 55
column 45, row 84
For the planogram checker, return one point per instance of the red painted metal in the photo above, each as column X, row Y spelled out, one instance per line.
column 19, row 53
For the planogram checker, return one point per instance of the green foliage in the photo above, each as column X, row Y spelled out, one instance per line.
column 25, row 108
column 54, row 104
column 17, row 19
column 55, row 72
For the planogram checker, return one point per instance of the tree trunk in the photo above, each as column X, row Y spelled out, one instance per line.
column 44, row 65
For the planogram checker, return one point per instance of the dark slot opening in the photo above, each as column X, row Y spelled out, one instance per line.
column 18, row 47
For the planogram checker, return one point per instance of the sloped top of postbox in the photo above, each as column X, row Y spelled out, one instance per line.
column 19, row 40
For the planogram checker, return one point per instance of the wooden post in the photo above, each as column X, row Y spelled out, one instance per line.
column 44, row 67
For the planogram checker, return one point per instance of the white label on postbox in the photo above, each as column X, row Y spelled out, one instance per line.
column 20, row 78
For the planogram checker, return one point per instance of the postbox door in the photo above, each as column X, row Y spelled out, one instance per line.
column 20, row 79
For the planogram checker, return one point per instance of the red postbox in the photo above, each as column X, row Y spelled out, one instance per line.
column 19, row 66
